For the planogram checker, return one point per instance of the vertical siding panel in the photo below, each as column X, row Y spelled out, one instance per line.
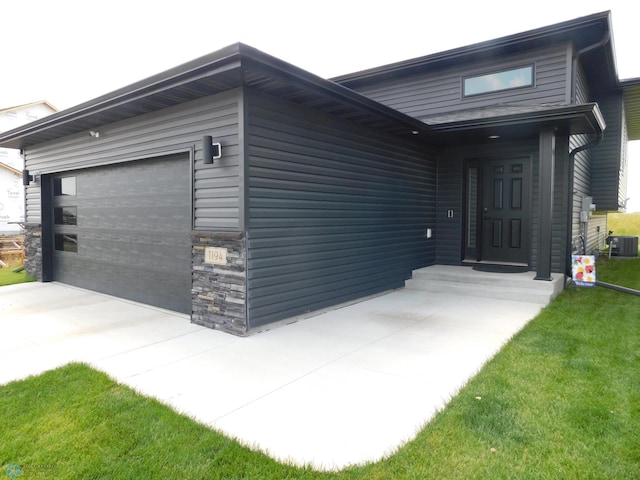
column 337, row 211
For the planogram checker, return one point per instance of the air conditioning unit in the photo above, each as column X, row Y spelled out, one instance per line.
column 624, row 246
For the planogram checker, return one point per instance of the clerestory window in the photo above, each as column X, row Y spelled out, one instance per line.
column 498, row 81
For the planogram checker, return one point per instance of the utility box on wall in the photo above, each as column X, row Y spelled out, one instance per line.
column 624, row 246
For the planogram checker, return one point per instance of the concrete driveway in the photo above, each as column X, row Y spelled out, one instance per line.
column 345, row 387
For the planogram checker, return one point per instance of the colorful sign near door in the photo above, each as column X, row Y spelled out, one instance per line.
column 583, row 270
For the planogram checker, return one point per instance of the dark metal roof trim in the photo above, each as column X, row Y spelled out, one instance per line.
column 521, row 113
column 631, row 94
column 581, row 119
column 234, row 66
column 88, row 114
column 540, row 36
column 9, row 168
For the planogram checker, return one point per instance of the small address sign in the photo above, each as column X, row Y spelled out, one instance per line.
column 215, row 255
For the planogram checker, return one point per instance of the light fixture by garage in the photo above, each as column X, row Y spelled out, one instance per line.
column 210, row 151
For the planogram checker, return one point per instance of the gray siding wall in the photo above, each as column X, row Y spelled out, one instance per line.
column 609, row 166
column 439, row 91
column 596, row 233
column 337, row 211
column 624, row 163
column 581, row 186
column 450, row 197
column 179, row 128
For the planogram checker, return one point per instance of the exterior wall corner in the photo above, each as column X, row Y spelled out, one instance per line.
column 33, row 250
column 219, row 291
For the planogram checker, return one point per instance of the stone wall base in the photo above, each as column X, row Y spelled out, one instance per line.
column 219, row 291
column 33, row 250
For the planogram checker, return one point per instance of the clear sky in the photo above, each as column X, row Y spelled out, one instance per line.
column 70, row 51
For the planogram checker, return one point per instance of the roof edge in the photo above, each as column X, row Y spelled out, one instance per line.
column 31, row 104
column 15, row 171
column 589, row 111
column 476, row 48
column 129, row 92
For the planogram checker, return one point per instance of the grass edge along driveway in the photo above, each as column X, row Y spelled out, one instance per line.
column 560, row 401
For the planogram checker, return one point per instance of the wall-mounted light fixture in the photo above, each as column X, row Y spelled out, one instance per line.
column 94, row 133
column 26, row 178
column 210, row 151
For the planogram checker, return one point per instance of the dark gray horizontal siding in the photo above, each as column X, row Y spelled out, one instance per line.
column 435, row 92
column 624, row 162
column 606, row 166
column 337, row 212
column 450, row 197
column 581, row 187
column 582, row 94
column 179, row 128
column 596, row 233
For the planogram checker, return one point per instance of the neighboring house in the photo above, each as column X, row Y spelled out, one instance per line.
column 11, row 199
column 11, row 188
column 331, row 190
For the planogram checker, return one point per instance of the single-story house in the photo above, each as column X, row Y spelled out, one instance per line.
column 242, row 190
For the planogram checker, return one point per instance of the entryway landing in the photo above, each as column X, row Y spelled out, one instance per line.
column 464, row 280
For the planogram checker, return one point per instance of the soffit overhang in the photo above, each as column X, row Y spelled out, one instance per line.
column 232, row 67
column 631, row 95
column 514, row 122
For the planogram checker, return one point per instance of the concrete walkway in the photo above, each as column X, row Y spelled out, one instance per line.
column 346, row 387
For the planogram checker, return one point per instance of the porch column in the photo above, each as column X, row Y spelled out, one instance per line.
column 545, row 198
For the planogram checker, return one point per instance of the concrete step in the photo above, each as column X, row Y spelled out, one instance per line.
column 520, row 287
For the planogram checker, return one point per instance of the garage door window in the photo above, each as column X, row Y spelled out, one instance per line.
column 65, row 215
column 64, row 186
column 65, row 242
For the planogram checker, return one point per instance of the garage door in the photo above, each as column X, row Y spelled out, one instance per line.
column 125, row 230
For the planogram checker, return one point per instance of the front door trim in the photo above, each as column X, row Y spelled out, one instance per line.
column 497, row 223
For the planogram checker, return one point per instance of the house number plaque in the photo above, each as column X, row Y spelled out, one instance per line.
column 215, row 255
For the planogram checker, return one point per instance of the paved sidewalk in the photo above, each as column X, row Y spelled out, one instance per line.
column 345, row 387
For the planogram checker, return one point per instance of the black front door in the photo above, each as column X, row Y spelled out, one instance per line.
column 506, row 210
column 498, row 210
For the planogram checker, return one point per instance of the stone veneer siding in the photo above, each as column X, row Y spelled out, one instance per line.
column 33, row 250
column 218, row 292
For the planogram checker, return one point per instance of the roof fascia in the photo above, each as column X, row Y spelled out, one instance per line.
column 15, row 171
column 478, row 48
column 589, row 112
column 27, row 105
column 232, row 57
column 222, row 60
column 291, row 73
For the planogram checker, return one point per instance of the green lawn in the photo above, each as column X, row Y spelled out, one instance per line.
column 9, row 277
column 624, row 223
column 560, row 401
